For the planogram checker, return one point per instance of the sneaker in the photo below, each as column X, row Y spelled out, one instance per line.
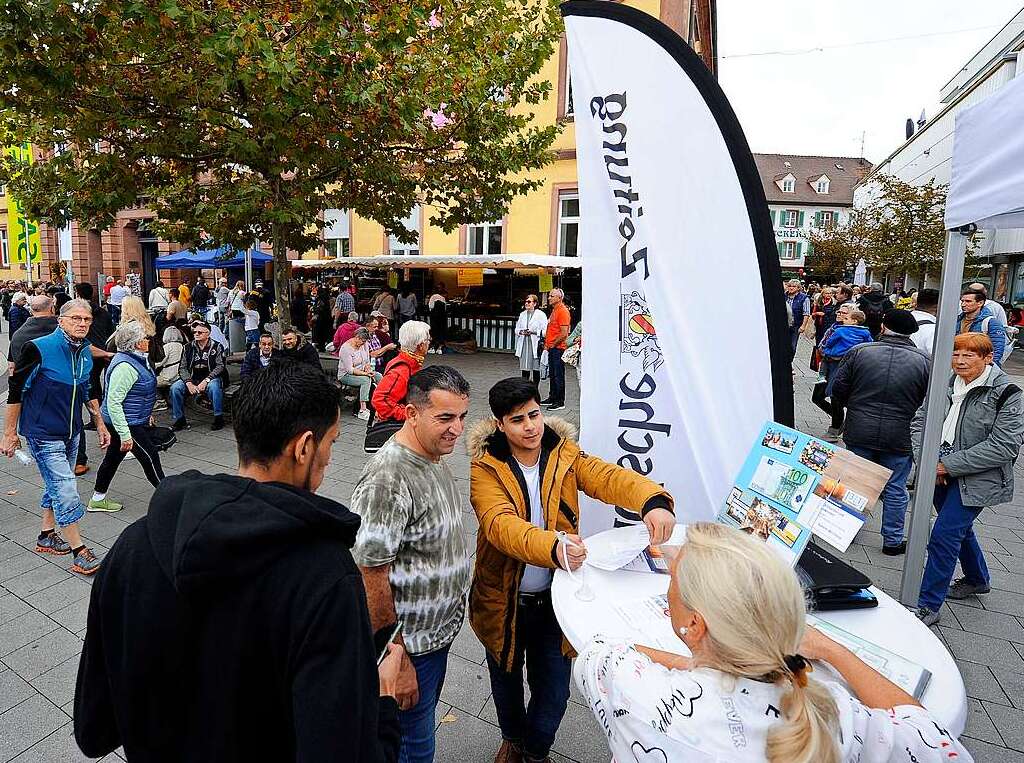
column 898, row 550
column 104, row 504
column 180, row 424
column 832, row 435
column 81, row 469
column 160, row 405
column 86, row 562
column 927, row 617
column 556, row 406
column 52, row 544
column 546, row 401
column 962, row 588
column 364, row 415
column 218, row 423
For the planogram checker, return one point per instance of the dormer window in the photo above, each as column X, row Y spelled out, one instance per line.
column 788, row 184
column 821, row 186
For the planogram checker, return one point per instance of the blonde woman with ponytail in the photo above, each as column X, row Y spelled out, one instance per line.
column 745, row 695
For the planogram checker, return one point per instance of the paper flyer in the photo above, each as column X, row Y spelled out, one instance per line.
column 792, row 486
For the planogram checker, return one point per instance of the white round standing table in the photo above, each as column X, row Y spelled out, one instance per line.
column 890, row 625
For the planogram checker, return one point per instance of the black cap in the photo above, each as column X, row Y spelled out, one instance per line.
column 900, row 321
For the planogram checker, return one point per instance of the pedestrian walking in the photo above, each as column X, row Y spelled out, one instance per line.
column 982, row 431
column 518, row 548
column 18, row 313
column 412, row 549
column 873, row 303
column 798, row 313
column 974, row 317
column 882, row 384
column 41, row 322
column 844, row 335
column 51, row 375
column 926, row 306
column 127, row 410
column 555, row 335
column 530, row 328
column 231, row 623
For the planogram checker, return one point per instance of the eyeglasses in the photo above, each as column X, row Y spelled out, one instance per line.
column 78, row 318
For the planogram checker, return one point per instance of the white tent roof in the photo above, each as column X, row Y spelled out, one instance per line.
column 499, row 261
column 987, row 185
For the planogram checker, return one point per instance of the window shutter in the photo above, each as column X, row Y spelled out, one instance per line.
column 779, row 246
column 817, row 219
column 799, row 246
column 771, row 212
column 800, row 220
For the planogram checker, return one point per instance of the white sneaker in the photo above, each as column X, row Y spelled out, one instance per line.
column 364, row 415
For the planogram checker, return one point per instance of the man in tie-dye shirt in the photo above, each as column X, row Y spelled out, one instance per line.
column 412, row 549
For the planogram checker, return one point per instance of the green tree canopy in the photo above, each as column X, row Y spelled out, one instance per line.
column 241, row 120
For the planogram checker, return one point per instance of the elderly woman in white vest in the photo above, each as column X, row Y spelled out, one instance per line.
column 529, row 331
column 130, row 393
column 745, row 695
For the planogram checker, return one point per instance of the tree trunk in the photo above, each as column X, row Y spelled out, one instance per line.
column 282, row 274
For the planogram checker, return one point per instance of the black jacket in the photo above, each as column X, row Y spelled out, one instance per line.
column 35, row 327
column 251, row 361
column 881, row 384
column 304, row 352
column 230, row 625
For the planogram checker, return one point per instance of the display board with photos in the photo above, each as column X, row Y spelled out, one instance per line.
column 792, row 486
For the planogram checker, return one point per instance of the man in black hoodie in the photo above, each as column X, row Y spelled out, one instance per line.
column 230, row 624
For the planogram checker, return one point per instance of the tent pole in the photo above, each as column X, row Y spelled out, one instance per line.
column 248, row 269
column 938, row 385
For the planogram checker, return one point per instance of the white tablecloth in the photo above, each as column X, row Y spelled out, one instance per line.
column 890, row 625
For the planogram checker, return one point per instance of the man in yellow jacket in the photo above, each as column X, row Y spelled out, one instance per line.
column 525, row 479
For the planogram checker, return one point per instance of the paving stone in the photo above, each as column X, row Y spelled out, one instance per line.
column 979, row 724
column 22, row 630
column 466, row 739
column 468, row 646
column 988, row 623
column 49, row 600
column 19, row 564
column 27, row 723
column 29, row 582
column 11, row 606
column 580, row 736
column 985, row 650
column 74, row 616
column 44, row 653
column 466, row 685
column 1004, row 601
column 981, row 683
column 13, row 690
column 1010, row 723
column 58, row 683
column 58, row 746
column 1012, row 684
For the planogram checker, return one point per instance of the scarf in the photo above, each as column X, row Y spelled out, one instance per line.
column 960, row 390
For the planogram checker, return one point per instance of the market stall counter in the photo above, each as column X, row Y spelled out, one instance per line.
column 619, row 594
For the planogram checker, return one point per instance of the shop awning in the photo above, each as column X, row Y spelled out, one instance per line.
column 498, row 262
column 221, row 257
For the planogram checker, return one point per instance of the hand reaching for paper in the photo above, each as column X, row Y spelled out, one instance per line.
column 574, row 551
column 660, row 524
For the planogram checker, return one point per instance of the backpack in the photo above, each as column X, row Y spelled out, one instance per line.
column 1011, row 337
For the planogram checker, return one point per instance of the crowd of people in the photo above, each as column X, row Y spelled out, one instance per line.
column 282, row 625
column 873, row 356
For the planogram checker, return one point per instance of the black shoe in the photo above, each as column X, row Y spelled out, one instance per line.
column 218, row 423
column 556, row 406
column 898, row 550
column 547, row 401
column 179, row 424
column 962, row 588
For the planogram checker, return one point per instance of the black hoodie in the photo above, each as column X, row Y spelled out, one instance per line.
column 230, row 624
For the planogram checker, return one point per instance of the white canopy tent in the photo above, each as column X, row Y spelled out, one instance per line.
column 496, row 262
column 986, row 190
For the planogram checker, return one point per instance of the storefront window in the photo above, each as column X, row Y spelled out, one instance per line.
column 1018, row 284
column 336, row 232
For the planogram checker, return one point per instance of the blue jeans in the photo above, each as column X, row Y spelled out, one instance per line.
column 894, row 495
column 215, row 391
column 952, row 538
column 556, row 370
column 539, row 646
column 56, row 462
column 418, row 723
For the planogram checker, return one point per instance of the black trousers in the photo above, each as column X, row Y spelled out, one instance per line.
column 143, row 450
column 534, row 374
column 835, row 411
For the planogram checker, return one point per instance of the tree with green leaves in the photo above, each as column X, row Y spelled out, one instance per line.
column 242, row 120
column 837, row 247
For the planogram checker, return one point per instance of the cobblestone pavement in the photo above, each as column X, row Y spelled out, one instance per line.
column 43, row 605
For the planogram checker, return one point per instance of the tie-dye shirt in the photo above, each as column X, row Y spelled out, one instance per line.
column 412, row 519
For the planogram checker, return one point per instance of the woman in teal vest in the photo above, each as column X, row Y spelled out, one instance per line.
column 127, row 409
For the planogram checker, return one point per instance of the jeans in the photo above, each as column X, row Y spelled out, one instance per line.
column 894, row 495
column 115, row 313
column 794, row 339
column 418, row 722
column 556, row 370
column 214, row 390
column 363, row 383
column 56, row 461
column 952, row 538
column 539, row 645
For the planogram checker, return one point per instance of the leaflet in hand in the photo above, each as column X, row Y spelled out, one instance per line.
column 628, row 548
column 907, row 675
column 793, row 485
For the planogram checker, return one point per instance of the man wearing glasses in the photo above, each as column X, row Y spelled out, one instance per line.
column 44, row 398
column 202, row 370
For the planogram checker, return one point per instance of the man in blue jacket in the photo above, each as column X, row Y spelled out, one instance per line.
column 975, row 317
column 44, row 403
column 799, row 308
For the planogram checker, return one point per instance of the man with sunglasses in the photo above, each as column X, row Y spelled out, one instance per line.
column 202, row 369
column 49, row 383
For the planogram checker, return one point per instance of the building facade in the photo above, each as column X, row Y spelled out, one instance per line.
column 928, row 153
column 803, row 193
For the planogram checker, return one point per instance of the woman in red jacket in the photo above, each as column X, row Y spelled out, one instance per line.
column 389, row 396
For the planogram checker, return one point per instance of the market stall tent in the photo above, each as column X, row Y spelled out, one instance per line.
column 430, row 261
column 986, row 190
column 202, row 259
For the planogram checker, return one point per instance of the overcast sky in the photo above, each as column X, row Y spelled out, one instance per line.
column 819, row 103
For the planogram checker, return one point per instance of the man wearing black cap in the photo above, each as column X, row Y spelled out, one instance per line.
column 882, row 384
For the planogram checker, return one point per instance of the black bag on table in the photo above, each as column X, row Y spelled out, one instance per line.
column 832, row 583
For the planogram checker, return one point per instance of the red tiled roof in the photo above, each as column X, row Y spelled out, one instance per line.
column 844, row 172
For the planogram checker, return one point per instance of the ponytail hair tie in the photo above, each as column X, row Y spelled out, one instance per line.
column 798, row 668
